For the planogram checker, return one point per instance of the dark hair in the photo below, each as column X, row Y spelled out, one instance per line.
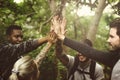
column 11, row 28
column 88, row 42
column 116, row 24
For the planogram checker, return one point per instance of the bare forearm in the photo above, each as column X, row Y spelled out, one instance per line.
column 42, row 40
column 43, row 53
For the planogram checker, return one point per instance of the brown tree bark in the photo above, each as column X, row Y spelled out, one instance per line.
column 96, row 19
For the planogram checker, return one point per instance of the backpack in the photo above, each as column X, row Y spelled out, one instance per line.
column 74, row 68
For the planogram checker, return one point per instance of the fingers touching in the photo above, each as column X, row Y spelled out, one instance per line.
column 52, row 37
column 58, row 26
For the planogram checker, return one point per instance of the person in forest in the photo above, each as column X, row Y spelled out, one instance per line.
column 110, row 58
column 79, row 67
column 11, row 51
column 27, row 68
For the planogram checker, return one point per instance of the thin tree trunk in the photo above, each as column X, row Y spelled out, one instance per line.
column 96, row 19
column 52, row 5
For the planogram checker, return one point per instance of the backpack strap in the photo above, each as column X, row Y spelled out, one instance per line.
column 83, row 73
column 92, row 69
column 74, row 68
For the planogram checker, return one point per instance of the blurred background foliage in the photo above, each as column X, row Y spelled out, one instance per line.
column 34, row 16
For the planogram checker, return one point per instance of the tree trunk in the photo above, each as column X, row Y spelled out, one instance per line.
column 49, row 66
column 52, row 5
column 96, row 19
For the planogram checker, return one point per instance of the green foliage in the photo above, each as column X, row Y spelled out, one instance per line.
column 115, row 5
column 62, row 72
column 32, row 16
column 111, row 1
column 102, row 35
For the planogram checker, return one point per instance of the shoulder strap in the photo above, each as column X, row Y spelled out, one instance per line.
column 74, row 68
column 92, row 69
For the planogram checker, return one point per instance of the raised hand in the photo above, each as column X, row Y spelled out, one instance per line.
column 62, row 28
column 58, row 25
column 52, row 37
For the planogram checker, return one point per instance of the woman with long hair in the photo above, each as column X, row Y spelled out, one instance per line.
column 25, row 69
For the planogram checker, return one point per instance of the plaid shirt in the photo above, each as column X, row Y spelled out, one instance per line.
column 9, row 54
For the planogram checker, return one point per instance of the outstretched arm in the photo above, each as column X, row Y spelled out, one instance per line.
column 59, row 53
column 42, row 53
column 100, row 56
column 16, row 50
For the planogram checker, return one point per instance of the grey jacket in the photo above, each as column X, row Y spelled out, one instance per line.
column 99, row 75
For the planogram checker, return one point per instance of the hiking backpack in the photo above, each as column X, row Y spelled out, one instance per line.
column 75, row 67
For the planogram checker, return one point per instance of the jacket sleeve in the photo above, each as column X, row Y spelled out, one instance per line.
column 18, row 49
column 99, row 74
column 107, row 58
column 60, row 54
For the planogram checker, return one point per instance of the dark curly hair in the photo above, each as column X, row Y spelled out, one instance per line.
column 11, row 28
column 116, row 24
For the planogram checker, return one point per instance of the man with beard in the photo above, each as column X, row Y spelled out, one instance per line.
column 110, row 58
column 80, row 67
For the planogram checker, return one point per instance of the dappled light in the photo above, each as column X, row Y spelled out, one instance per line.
column 18, row 1
column 85, row 19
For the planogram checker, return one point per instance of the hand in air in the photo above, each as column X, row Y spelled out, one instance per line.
column 52, row 37
column 58, row 25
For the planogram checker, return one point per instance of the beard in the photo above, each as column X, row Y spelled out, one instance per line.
column 111, row 48
column 115, row 47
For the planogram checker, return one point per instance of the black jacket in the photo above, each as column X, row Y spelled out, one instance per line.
column 9, row 54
